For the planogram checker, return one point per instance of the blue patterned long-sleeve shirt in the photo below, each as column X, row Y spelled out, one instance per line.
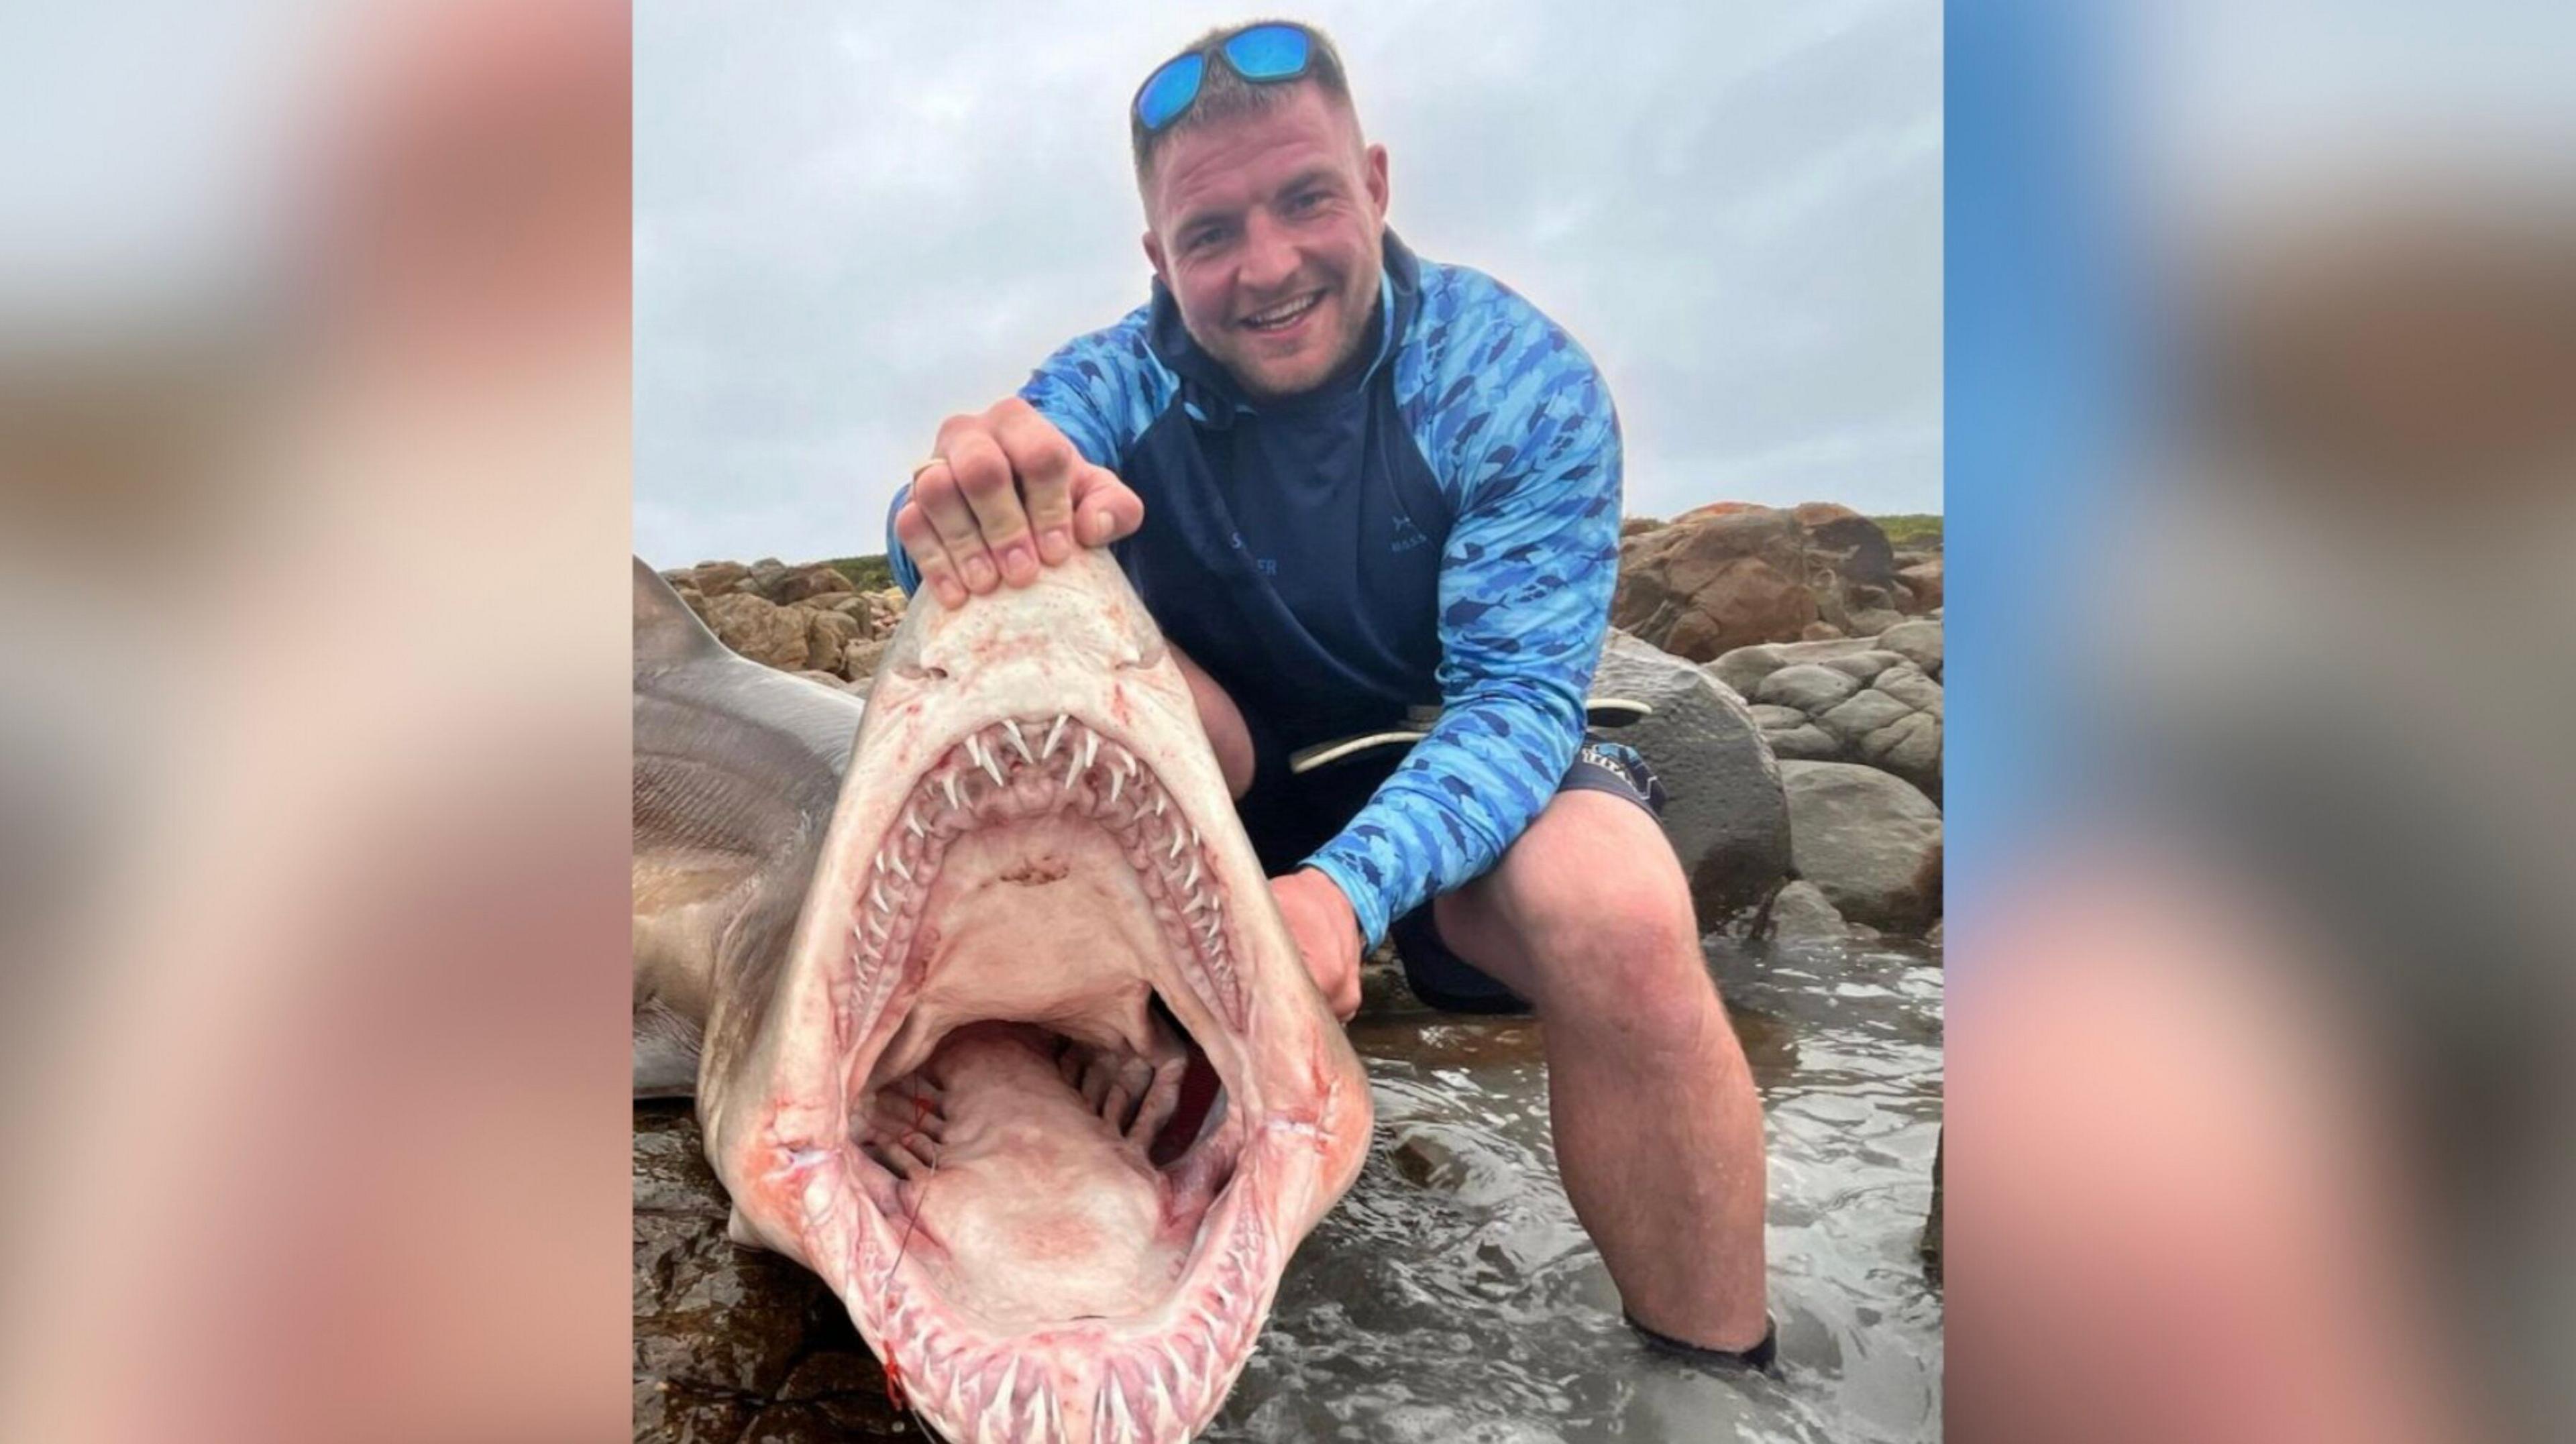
column 1437, row 526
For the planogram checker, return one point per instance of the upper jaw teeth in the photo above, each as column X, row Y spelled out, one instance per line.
column 1282, row 312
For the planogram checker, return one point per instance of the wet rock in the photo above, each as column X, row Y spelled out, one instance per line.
column 1869, row 840
column 667, row 1413
column 1803, row 914
column 1724, row 812
column 1810, row 688
column 730, row 1342
column 1426, row 1162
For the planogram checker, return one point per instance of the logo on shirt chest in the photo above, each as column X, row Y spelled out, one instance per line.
column 1407, row 535
column 1267, row 566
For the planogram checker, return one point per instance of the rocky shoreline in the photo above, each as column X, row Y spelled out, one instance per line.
column 1792, row 656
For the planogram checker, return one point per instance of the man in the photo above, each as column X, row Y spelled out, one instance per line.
column 1355, row 487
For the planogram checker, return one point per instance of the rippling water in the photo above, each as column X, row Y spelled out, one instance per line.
column 1453, row 1297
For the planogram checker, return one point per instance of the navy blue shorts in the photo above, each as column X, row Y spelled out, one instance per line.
column 1290, row 815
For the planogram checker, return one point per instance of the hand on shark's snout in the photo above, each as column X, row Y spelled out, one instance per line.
column 1327, row 933
column 1004, row 495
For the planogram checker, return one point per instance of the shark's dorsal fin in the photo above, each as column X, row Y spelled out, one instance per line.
column 666, row 631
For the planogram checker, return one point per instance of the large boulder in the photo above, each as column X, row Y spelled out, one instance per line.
column 1869, row 840
column 1714, row 580
column 1723, row 810
column 827, row 636
column 1918, row 641
column 761, row 629
column 1744, row 668
column 715, row 579
column 1851, row 565
column 1808, row 686
column 812, row 580
column 1923, row 581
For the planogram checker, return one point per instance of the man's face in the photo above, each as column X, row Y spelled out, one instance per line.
column 1266, row 227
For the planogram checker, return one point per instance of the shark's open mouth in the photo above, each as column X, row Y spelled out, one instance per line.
column 1042, row 991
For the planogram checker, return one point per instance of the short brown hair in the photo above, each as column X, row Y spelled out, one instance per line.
column 1224, row 95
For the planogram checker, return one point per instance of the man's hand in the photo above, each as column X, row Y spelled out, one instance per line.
column 1327, row 934
column 1006, row 491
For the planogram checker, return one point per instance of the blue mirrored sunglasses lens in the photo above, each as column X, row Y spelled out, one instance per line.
column 1170, row 91
column 1268, row 52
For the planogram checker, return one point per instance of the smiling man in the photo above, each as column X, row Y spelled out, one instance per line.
column 1364, row 491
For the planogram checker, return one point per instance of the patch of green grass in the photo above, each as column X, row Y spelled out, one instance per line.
column 1912, row 531
column 868, row 574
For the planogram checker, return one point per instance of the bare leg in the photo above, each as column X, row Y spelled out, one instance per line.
column 1658, row 1132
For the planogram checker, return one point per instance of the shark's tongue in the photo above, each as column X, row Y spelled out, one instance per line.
column 1039, row 1210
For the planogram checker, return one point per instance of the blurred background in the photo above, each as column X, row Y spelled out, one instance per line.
column 313, row 685
column 2262, row 404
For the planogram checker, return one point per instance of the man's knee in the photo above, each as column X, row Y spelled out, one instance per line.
column 1628, row 956
column 1609, row 942
column 1223, row 722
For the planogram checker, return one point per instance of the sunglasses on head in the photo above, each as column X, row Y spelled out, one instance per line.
column 1263, row 54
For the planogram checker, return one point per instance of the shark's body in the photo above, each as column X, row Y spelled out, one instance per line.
column 941, row 1015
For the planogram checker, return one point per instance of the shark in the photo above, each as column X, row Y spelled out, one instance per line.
column 987, row 1012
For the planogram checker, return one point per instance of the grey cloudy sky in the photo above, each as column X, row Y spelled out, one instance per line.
column 851, row 222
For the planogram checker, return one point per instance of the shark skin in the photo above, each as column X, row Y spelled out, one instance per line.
column 957, row 1090
column 737, row 767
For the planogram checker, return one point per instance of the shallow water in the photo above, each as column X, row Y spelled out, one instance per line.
column 1452, row 1295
